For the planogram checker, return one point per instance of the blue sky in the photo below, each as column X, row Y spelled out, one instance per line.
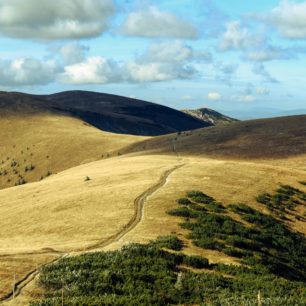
column 241, row 57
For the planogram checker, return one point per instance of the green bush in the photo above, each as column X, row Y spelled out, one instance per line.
column 263, row 198
column 182, row 212
column 169, row 242
column 196, row 261
column 241, row 208
column 243, row 243
column 216, row 207
column 199, row 197
column 148, row 275
column 183, row 201
column 194, row 193
column 197, row 207
column 208, row 243
column 233, row 252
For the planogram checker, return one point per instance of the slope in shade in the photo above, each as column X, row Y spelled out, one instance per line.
column 119, row 114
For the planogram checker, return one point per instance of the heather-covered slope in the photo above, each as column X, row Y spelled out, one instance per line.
column 263, row 138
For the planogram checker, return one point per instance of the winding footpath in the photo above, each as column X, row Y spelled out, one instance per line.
column 139, row 204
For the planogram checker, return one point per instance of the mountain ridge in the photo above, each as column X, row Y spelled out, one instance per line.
column 118, row 114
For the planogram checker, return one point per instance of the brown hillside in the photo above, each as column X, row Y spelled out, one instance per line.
column 37, row 142
column 262, row 138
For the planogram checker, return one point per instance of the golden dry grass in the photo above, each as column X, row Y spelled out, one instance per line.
column 227, row 181
column 16, row 267
column 68, row 214
column 51, row 143
column 65, row 212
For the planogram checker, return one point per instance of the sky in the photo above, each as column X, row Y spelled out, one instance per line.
column 243, row 58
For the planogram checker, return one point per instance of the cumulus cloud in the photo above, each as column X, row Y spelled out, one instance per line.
column 95, row 70
column 290, row 19
column 214, row 96
column 237, row 37
column 27, row 72
column 155, row 72
column 154, row 23
column 162, row 61
column 71, row 53
column 53, row 20
column 165, row 61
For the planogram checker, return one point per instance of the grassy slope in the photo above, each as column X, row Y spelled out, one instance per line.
column 255, row 139
column 63, row 211
column 51, row 143
column 66, row 213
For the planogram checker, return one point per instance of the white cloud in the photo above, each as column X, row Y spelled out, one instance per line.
column 290, row 19
column 27, row 72
column 154, row 23
column 53, row 20
column 99, row 70
column 155, row 72
column 214, row 96
column 163, row 61
column 237, row 37
column 95, row 70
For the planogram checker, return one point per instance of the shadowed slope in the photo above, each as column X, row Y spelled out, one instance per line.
column 122, row 115
column 263, row 138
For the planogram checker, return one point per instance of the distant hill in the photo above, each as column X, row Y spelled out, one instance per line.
column 209, row 115
column 262, row 138
column 123, row 115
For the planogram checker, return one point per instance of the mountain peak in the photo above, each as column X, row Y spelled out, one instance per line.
column 209, row 115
